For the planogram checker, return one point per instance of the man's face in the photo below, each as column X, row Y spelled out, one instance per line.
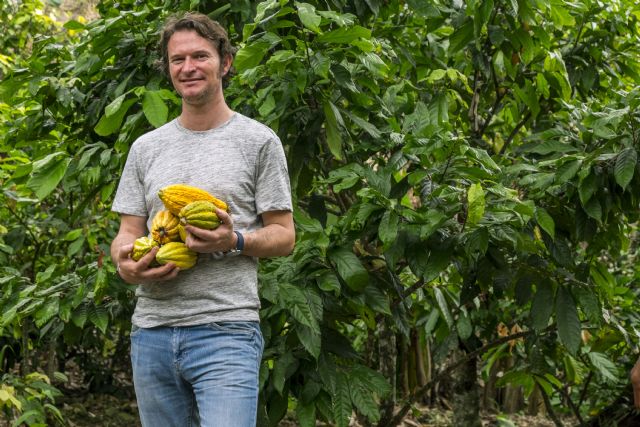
column 195, row 67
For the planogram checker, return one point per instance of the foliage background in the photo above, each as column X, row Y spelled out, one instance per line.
column 465, row 177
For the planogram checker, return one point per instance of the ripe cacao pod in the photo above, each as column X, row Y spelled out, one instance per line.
column 177, row 253
column 182, row 232
column 164, row 227
column 142, row 246
column 201, row 214
column 177, row 196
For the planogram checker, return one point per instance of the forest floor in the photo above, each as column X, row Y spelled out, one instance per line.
column 118, row 410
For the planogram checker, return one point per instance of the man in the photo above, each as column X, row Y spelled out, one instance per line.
column 196, row 344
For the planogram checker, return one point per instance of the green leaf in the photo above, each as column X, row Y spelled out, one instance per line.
column 294, row 300
column 344, row 35
column 567, row 171
column 341, row 399
column 46, row 312
column 329, row 282
column 108, row 124
column 310, row 339
column 283, row 367
column 350, row 268
column 444, row 307
column 306, row 414
column 587, row 188
column 154, row 108
column 362, row 395
column 593, row 209
column 388, row 228
column 542, row 305
column 475, row 197
column 626, row 163
column 545, row 221
column 250, row 55
column 308, row 16
column 461, row 37
column 334, row 140
column 464, row 326
column 569, row 329
column 114, row 106
column 604, row 365
column 47, row 174
column 99, row 317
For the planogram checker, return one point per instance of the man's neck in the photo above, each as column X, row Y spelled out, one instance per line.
column 204, row 117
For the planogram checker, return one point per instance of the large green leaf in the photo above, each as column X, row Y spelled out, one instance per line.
column 47, row 173
column 345, row 35
column 542, row 305
column 109, row 123
column 308, row 16
column 546, row 222
column 334, row 140
column 350, row 268
column 569, row 329
column 341, row 399
column 626, row 163
column 475, row 200
column 155, row 110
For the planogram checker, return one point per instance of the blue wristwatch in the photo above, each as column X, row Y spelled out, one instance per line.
column 239, row 245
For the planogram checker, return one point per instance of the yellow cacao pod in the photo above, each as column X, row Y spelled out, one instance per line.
column 182, row 232
column 142, row 246
column 201, row 214
column 177, row 253
column 164, row 227
column 177, row 196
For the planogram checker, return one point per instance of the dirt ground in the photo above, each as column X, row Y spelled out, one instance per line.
column 90, row 410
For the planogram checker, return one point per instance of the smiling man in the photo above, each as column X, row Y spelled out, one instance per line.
column 196, row 344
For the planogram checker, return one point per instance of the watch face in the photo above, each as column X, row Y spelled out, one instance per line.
column 233, row 252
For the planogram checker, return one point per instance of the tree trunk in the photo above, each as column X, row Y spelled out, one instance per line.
column 388, row 354
column 466, row 398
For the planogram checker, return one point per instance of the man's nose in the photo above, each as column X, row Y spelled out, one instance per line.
column 189, row 64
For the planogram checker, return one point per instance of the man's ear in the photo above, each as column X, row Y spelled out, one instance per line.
column 228, row 60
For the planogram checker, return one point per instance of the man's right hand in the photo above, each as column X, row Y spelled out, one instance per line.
column 140, row 272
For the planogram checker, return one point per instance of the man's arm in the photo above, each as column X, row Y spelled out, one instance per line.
column 276, row 238
column 132, row 227
column 635, row 382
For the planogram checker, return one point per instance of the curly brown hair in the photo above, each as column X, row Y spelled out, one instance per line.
column 206, row 28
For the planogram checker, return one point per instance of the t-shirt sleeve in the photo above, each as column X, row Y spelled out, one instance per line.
column 273, row 189
column 129, row 198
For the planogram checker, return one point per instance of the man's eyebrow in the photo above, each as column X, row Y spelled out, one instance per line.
column 196, row 52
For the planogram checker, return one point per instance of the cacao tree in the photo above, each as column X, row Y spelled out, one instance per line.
column 465, row 181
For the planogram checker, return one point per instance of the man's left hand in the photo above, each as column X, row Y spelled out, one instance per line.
column 221, row 239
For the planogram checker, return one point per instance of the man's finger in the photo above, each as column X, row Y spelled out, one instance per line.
column 223, row 216
column 125, row 250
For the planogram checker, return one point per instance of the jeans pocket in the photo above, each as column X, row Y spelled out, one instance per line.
column 134, row 330
column 247, row 328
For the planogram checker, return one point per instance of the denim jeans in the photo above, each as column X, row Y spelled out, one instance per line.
column 204, row 375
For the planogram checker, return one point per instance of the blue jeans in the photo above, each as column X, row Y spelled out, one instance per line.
column 204, row 375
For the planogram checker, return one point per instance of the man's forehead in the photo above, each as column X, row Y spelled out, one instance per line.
column 190, row 39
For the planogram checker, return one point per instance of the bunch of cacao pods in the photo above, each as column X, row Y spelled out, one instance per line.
column 185, row 205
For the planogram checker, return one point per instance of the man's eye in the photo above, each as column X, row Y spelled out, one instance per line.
column 177, row 61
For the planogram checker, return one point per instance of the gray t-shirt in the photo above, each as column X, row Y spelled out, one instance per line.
column 241, row 162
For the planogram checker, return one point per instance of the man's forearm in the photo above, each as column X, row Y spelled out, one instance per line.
column 270, row 241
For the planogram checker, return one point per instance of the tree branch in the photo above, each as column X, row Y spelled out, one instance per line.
column 514, row 132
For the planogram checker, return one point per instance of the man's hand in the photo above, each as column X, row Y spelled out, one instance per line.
column 221, row 239
column 140, row 272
